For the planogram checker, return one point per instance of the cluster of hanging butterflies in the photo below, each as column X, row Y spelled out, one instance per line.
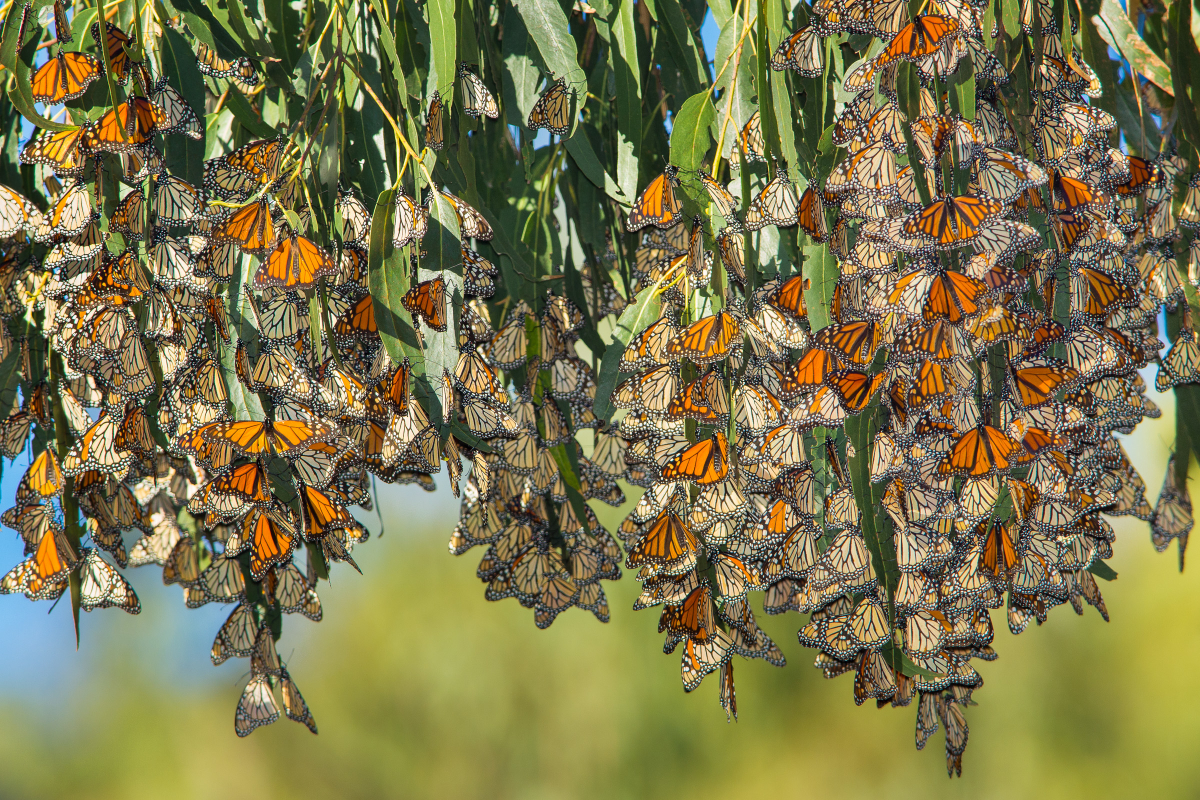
column 940, row 443
column 895, row 446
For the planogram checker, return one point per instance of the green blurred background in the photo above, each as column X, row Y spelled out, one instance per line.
column 422, row 689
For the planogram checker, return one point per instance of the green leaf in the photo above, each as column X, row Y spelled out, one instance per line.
column 184, row 155
column 1186, row 68
column 443, row 42
column 246, row 404
column 1102, row 570
column 687, row 50
column 441, row 347
column 236, row 102
column 10, row 379
column 585, row 158
column 210, row 30
column 861, row 430
column 520, row 91
column 627, row 78
column 546, row 23
column 637, row 316
column 820, row 268
column 1114, row 27
column 387, row 276
column 691, row 134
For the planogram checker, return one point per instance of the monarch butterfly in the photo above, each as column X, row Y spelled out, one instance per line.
column 707, row 340
column 434, row 134
column 657, row 204
column 478, row 274
column 853, row 341
column 870, row 171
column 953, row 296
column 1037, row 384
column 704, row 462
column 751, row 141
column 252, row 228
column 16, row 212
column 412, row 221
column 256, row 708
column 70, row 215
column 295, row 263
column 552, row 110
column 777, row 204
column 176, row 202
column 981, row 451
column 321, row 514
column 668, row 545
column 359, row 319
column 240, row 69
column 1002, row 176
column 1142, row 173
column 722, row 200
column 1103, row 292
column 731, row 246
column 62, row 26
column 952, row 221
column 999, row 551
column 256, row 439
column 477, row 99
column 101, row 586
column 42, row 576
column 62, row 151
column 116, row 40
column 427, row 300
column 855, row 389
column 1071, row 195
column 803, row 51
column 125, row 128
column 927, row 35
column 270, row 535
column 65, row 77
column 473, row 224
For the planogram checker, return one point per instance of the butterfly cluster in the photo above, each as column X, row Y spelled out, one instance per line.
column 873, row 375
column 938, row 440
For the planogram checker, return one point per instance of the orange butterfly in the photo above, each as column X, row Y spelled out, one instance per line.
column 854, row 388
column 981, row 451
column 790, row 296
column 65, row 77
column 116, row 41
column 706, row 340
column 271, row 537
column 925, row 36
column 704, row 462
column 263, row 438
column 657, row 205
column 125, row 128
column 296, row 262
column 320, row 514
column 1038, row 384
column 999, row 551
column 254, row 231
column 428, row 301
column 359, row 319
column 951, row 221
column 668, row 545
column 854, row 341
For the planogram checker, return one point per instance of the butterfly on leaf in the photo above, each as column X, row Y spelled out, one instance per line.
column 552, row 110
column 657, row 204
column 477, row 98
